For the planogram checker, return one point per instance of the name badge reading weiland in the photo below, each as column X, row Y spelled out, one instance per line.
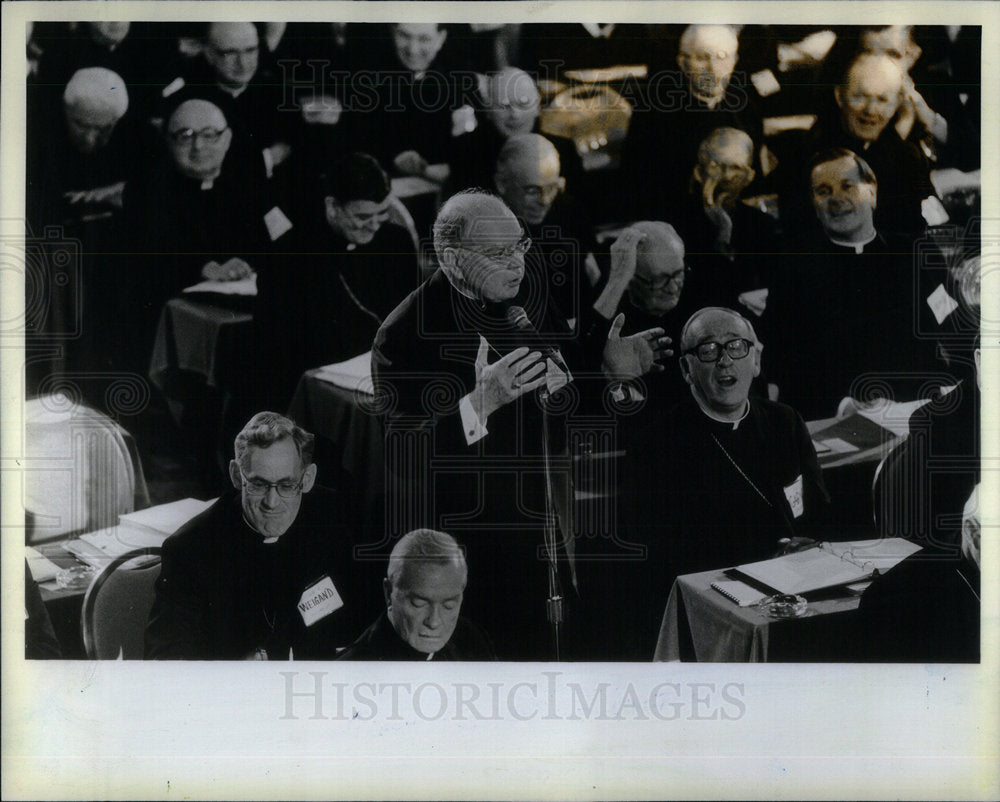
column 319, row 600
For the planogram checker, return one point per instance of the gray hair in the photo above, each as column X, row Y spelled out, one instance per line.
column 457, row 216
column 97, row 87
column 425, row 547
column 267, row 428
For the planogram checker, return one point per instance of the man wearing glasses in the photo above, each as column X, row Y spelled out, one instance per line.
column 266, row 571
column 731, row 474
column 456, row 366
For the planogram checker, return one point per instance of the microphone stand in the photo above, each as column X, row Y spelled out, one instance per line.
column 554, row 602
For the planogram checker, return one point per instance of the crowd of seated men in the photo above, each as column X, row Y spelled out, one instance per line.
column 785, row 230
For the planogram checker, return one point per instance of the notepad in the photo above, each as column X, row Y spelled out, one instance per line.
column 829, row 564
column 739, row 592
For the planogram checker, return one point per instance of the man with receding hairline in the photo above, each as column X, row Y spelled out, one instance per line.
column 529, row 179
column 663, row 140
column 424, row 587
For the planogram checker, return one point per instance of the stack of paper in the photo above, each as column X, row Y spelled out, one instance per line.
column 354, row 374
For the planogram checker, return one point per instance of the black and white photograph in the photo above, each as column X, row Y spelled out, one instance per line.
column 643, row 370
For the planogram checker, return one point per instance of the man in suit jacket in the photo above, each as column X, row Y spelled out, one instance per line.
column 259, row 575
column 457, row 366
column 424, row 587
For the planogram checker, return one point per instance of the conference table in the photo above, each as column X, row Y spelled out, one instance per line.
column 700, row 624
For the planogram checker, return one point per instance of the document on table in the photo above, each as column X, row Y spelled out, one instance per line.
column 244, row 286
column 354, row 374
column 829, row 564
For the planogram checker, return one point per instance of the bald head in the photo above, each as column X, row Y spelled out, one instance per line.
column 480, row 247
column 528, row 176
column 94, row 100
column 659, row 268
column 870, row 95
column 707, row 55
column 199, row 137
column 724, row 168
column 512, row 101
column 232, row 50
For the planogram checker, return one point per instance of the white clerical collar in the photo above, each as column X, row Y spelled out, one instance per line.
column 859, row 247
column 268, row 540
column 599, row 31
column 710, row 414
column 233, row 92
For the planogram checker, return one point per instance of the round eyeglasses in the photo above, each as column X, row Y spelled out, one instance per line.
column 207, row 136
column 258, row 487
column 712, row 351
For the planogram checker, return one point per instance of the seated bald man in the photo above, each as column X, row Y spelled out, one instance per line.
column 201, row 211
column 662, row 142
column 734, row 473
column 529, row 178
column 511, row 105
column 78, row 170
column 424, row 587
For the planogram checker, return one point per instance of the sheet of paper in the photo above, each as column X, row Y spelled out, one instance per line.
column 245, row 286
column 354, row 374
column 166, row 518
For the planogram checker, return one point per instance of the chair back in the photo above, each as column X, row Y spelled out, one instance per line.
column 117, row 604
column 83, row 471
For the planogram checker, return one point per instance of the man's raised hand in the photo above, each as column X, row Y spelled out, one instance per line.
column 633, row 356
column 510, row 377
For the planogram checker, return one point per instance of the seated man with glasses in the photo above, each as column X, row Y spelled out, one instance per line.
column 266, row 572
column 530, row 181
column 732, row 474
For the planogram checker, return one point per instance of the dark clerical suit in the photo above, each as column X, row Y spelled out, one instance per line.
column 489, row 493
column 224, row 594
column 381, row 642
column 709, row 494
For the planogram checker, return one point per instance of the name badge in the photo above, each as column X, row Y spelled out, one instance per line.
column 793, row 493
column 941, row 303
column 319, row 600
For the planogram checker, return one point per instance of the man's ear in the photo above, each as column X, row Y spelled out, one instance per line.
column 499, row 182
column 234, row 474
column 227, row 139
column 331, row 206
column 751, row 175
column 309, row 478
column 757, row 348
column 387, row 592
column 838, row 95
column 686, row 369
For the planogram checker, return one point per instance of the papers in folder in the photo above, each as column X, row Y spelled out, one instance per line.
column 829, row 564
column 354, row 374
column 41, row 567
column 136, row 530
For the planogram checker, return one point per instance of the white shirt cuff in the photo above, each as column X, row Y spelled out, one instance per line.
column 473, row 428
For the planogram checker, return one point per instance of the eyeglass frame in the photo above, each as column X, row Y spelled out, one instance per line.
column 188, row 136
column 664, row 281
column 519, row 248
column 294, row 488
column 720, row 348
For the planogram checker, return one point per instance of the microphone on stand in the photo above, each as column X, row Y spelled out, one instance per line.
column 518, row 318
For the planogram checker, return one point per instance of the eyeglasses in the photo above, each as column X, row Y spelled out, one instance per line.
column 207, row 136
column 712, row 351
column 519, row 248
column 677, row 277
column 258, row 487
column 233, row 53
column 543, row 193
